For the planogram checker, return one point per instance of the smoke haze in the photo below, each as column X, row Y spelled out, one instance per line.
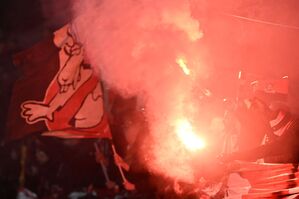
column 136, row 46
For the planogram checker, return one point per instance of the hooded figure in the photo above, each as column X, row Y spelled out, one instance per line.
column 282, row 139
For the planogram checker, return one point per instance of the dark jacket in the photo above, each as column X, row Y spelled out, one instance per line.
column 284, row 149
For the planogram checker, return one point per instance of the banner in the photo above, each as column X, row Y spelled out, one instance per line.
column 271, row 89
column 58, row 93
column 267, row 180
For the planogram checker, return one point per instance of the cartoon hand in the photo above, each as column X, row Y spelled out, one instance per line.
column 34, row 111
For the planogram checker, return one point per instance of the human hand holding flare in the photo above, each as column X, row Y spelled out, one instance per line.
column 100, row 158
column 121, row 164
column 119, row 161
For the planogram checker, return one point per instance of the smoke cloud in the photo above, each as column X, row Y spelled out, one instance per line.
column 137, row 47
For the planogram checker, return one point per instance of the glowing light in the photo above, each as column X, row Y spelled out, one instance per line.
column 181, row 62
column 185, row 133
column 239, row 74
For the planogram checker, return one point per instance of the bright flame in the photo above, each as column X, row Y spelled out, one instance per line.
column 181, row 62
column 185, row 133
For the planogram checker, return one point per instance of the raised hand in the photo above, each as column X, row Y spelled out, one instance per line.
column 34, row 111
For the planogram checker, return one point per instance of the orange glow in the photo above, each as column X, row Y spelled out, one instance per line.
column 182, row 63
column 187, row 136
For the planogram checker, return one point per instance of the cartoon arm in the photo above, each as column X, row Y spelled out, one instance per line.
column 34, row 111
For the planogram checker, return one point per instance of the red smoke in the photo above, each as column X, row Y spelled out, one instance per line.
column 135, row 45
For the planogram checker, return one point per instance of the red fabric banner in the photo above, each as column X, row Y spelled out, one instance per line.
column 58, row 93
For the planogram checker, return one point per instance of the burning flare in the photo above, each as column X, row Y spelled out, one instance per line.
column 182, row 63
column 187, row 136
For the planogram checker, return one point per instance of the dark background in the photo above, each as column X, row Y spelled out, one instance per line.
column 231, row 44
column 22, row 24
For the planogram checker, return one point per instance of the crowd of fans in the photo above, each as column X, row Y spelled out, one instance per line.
column 55, row 168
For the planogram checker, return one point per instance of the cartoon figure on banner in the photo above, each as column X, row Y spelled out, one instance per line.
column 73, row 99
